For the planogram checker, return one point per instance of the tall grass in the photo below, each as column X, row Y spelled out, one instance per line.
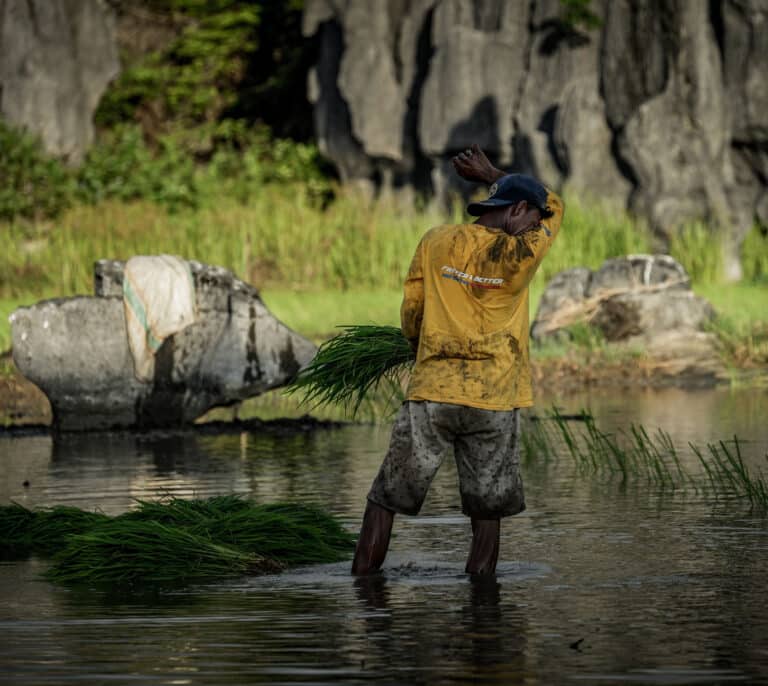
column 278, row 239
column 283, row 239
column 592, row 232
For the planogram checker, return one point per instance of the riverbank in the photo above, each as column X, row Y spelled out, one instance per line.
column 556, row 372
column 319, row 266
column 734, row 352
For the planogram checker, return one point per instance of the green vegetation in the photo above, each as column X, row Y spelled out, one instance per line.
column 32, row 185
column 634, row 455
column 123, row 166
column 355, row 363
column 221, row 60
column 147, row 554
column 578, row 14
column 174, row 541
column 319, row 264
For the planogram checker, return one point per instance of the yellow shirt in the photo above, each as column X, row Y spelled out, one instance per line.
column 466, row 303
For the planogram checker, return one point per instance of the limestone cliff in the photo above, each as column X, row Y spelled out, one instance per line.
column 661, row 106
column 56, row 59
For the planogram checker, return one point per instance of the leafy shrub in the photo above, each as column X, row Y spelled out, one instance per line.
column 195, row 78
column 32, row 184
column 247, row 158
column 122, row 166
column 224, row 59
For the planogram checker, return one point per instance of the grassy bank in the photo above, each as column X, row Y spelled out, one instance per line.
column 318, row 267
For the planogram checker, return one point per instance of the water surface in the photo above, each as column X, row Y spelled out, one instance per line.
column 598, row 583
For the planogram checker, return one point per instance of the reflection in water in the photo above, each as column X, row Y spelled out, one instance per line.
column 596, row 582
column 471, row 638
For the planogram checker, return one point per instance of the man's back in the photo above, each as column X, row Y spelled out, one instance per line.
column 470, row 284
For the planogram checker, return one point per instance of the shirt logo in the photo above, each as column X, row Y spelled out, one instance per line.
column 470, row 279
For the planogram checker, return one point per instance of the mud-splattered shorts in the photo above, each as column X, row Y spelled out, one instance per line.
column 485, row 444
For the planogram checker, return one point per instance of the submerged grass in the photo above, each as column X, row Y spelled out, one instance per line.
column 636, row 454
column 726, row 467
column 174, row 541
column 291, row 533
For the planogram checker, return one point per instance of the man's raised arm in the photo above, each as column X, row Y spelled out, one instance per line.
column 473, row 165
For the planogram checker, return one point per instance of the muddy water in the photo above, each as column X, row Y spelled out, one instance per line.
column 599, row 584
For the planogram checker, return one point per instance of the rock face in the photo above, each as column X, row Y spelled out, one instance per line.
column 643, row 301
column 661, row 106
column 76, row 351
column 56, row 59
column 635, row 298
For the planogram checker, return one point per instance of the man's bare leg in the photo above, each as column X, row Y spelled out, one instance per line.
column 373, row 543
column 484, row 552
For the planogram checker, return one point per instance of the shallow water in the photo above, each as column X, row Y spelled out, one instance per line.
column 598, row 583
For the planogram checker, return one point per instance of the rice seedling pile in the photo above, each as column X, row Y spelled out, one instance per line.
column 43, row 531
column 174, row 541
column 353, row 365
column 148, row 552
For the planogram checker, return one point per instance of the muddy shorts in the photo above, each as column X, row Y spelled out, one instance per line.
column 485, row 444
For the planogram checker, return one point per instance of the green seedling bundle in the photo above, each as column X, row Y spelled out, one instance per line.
column 174, row 541
column 355, row 364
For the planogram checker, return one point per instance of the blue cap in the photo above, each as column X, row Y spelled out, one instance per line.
column 510, row 190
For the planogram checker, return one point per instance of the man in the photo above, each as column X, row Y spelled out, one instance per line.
column 465, row 310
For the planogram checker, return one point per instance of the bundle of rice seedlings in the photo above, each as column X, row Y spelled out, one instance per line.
column 51, row 528
column 292, row 534
column 43, row 531
column 181, row 512
column 15, row 521
column 174, row 541
column 353, row 364
column 130, row 553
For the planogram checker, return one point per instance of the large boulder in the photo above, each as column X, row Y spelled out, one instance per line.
column 633, row 299
column 642, row 304
column 76, row 351
column 56, row 59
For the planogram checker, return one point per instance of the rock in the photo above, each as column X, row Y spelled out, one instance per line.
column 635, row 299
column 660, row 108
column 56, row 59
column 566, row 291
column 76, row 351
column 636, row 271
column 650, row 314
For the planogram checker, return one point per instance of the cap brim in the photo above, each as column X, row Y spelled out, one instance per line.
column 478, row 208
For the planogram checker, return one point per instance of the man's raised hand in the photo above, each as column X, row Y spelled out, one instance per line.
column 473, row 165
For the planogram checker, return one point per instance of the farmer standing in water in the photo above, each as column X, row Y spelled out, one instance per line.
column 465, row 310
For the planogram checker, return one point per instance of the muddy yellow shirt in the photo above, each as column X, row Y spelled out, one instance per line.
column 466, row 303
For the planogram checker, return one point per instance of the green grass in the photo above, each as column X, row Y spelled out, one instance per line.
column 321, row 267
column 146, row 553
column 318, row 314
column 743, row 304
